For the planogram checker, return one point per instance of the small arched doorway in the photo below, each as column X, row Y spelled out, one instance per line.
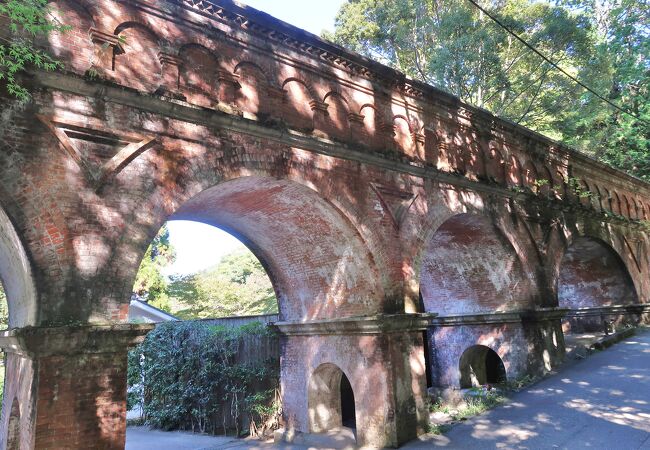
column 331, row 400
column 480, row 365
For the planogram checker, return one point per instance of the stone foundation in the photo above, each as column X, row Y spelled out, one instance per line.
column 528, row 343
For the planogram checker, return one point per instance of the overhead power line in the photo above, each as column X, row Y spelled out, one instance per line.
column 548, row 60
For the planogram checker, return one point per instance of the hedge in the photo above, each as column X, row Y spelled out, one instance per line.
column 195, row 376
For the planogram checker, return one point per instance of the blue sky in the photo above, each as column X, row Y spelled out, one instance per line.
column 199, row 246
column 310, row 15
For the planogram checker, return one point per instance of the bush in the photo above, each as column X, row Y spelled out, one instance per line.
column 192, row 376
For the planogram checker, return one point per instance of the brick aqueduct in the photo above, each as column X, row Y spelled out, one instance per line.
column 394, row 220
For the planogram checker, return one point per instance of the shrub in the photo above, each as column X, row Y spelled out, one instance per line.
column 193, row 376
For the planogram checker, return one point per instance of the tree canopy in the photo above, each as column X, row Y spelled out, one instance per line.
column 237, row 286
column 21, row 22
column 150, row 282
column 453, row 45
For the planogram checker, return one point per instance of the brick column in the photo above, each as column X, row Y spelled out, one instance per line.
column 320, row 115
column 357, row 128
column 66, row 386
column 170, row 65
column 383, row 358
column 228, row 84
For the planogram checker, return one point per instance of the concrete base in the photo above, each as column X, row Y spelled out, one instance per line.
column 336, row 438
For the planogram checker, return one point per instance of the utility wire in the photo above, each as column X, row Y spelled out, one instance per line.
column 548, row 60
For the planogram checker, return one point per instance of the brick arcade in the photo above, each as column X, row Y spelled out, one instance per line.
column 393, row 220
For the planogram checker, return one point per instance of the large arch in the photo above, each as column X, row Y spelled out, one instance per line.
column 16, row 275
column 469, row 266
column 592, row 274
column 318, row 263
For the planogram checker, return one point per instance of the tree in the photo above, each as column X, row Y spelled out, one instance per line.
column 238, row 285
column 150, row 283
column 452, row 45
column 622, row 33
column 21, row 23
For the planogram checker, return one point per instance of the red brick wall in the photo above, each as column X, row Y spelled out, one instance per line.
column 82, row 402
column 336, row 171
column 470, row 267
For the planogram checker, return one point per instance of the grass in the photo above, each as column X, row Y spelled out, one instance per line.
column 476, row 401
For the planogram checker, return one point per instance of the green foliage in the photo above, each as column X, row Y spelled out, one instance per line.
column 23, row 21
column 454, row 46
column 187, row 376
column 238, row 285
column 150, row 283
column 4, row 309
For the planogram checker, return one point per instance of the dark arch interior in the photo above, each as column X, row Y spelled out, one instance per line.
column 591, row 275
column 330, row 400
column 348, row 414
column 469, row 267
column 480, row 365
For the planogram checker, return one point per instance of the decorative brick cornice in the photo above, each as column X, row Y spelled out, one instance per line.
column 166, row 58
column 69, row 340
column 102, row 38
column 275, row 92
column 378, row 324
column 356, row 118
column 224, row 117
column 251, row 21
column 535, row 315
column 317, row 105
column 609, row 310
column 227, row 77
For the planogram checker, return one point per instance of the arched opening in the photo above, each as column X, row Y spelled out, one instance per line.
column 16, row 276
column 195, row 271
column 348, row 413
column 330, row 400
column 479, row 366
column 308, row 249
column 469, row 266
column 593, row 275
column 17, row 309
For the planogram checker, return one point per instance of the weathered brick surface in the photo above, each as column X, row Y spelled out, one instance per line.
column 81, row 402
column 360, row 190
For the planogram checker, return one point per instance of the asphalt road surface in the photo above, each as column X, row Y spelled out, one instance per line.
column 602, row 402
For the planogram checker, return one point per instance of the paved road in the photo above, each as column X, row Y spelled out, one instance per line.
column 602, row 402
column 142, row 438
